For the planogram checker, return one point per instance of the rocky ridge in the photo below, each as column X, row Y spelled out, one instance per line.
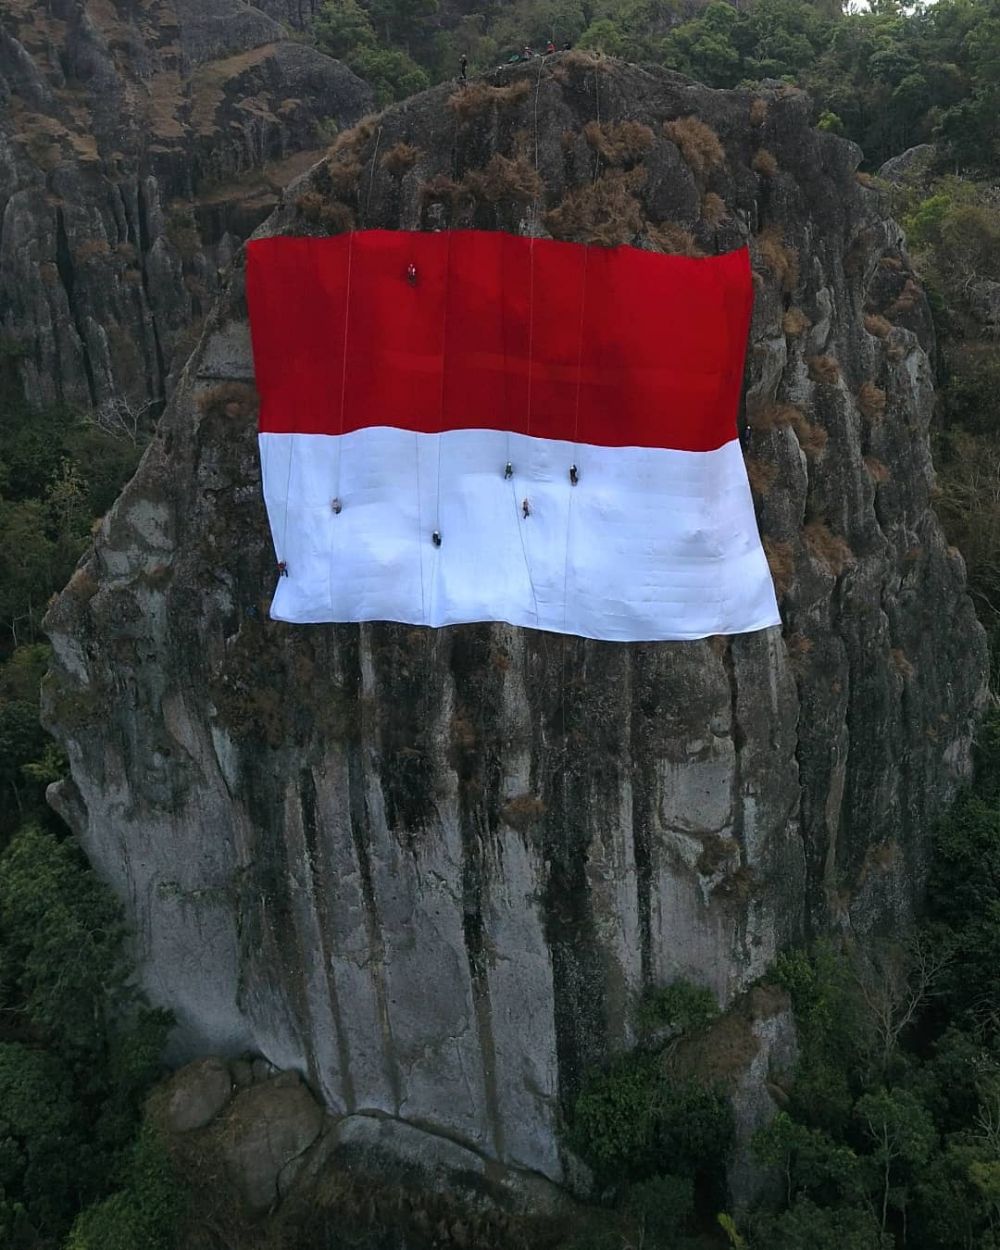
column 140, row 142
column 433, row 870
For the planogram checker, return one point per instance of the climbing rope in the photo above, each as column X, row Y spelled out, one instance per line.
column 337, row 502
column 437, row 535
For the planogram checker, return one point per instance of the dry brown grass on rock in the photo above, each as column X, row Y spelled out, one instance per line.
column 799, row 647
column 758, row 111
column 907, row 300
column 812, row 438
column 764, row 163
column 782, row 260
column 781, row 562
column 761, row 476
column 619, row 143
column 233, row 400
column 795, row 322
column 442, row 189
column 348, row 143
column 823, row 369
column 828, row 548
column 699, row 144
column 581, row 59
column 881, row 327
column 504, row 179
column 400, row 158
column 568, row 140
column 713, row 208
column 344, row 175
column 863, row 179
column 877, row 471
column 523, row 811
column 605, row 211
column 871, row 401
column 901, row 663
column 337, row 218
column 765, row 415
column 91, row 249
column 673, row 239
column 891, row 262
column 320, row 211
column 309, row 205
column 477, row 97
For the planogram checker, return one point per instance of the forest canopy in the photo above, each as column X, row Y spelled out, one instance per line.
column 887, row 77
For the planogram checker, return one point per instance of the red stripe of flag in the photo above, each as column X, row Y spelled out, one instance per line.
column 480, row 329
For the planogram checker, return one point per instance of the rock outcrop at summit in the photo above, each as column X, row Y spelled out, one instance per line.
column 431, row 870
column 140, row 142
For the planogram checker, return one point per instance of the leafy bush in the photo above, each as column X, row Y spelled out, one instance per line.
column 638, row 1120
column 146, row 1213
column 662, row 1208
column 69, row 1102
column 806, row 1226
column 681, row 1007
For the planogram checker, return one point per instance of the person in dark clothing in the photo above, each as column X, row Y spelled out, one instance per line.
column 463, row 66
column 566, row 46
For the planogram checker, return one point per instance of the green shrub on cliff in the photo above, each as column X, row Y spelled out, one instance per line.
column 655, row 1137
column 145, row 1213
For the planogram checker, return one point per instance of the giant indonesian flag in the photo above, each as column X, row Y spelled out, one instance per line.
column 475, row 426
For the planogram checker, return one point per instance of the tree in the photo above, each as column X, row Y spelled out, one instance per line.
column 811, row 1161
column 895, row 981
column 806, row 1226
column 66, row 985
column 341, row 28
column 902, row 1135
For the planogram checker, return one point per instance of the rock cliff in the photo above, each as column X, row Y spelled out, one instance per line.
column 140, row 142
column 431, row 870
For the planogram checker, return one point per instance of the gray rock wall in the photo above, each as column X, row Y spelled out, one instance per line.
column 431, row 870
column 139, row 145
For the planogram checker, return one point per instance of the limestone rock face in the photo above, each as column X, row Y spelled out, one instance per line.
column 432, row 870
column 140, row 143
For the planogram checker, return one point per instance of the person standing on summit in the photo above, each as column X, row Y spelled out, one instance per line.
column 463, row 66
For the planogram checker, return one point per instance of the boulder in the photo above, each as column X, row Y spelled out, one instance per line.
column 266, row 1129
column 195, row 1095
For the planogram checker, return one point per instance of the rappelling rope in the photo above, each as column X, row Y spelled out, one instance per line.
column 371, row 178
column 440, row 430
column 518, row 516
column 576, row 429
column 337, row 502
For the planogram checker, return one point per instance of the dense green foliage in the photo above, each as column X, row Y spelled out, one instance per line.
column 887, row 77
column 78, row 1048
column 890, row 1132
column 891, row 1135
column 655, row 1135
column 146, row 1212
column 58, row 471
